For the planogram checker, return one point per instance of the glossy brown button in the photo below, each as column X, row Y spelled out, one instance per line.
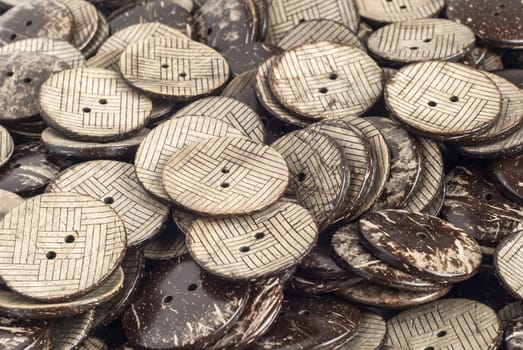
column 307, row 323
column 180, row 299
column 505, row 174
column 405, row 164
column 21, row 77
column 309, row 286
column 23, row 334
column 422, row 244
column 439, row 326
column 475, row 205
column 492, row 21
column 37, row 19
column 514, row 335
column 244, row 57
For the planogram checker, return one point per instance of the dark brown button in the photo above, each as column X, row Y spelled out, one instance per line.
column 422, row 244
column 23, row 334
column 167, row 245
column 310, row 286
column 510, row 312
column 514, row 335
column 475, row 205
column 307, row 323
column 166, row 12
column 405, row 164
column 37, row 19
column 506, row 172
column 179, row 299
column 492, row 21
column 244, row 57
column 21, row 77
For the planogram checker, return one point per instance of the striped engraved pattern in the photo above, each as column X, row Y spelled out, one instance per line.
column 6, row 145
column 225, row 176
column 129, row 35
column 285, row 14
column 93, row 103
column 166, row 139
column 85, row 17
column 511, row 144
column 510, row 312
column 174, row 67
column 432, row 177
column 102, row 33
column 443, row 98
column 61, row 49
column 269, row 101
column 60, row 245
column 106, row 60
column 357, row 151
column 253, row 246
column 381, row 154
column 326, row 77
column 238, row 114
column 92, row 343
column 319, row 174
column 68, row 332
column 386, row 11
column 240, row 83
column 509, row 263
column 319, row 30
column 16, row 305
column 116, row 184
column 165, row 246
column 421, row 40
column 370, row 335
column 469, row 325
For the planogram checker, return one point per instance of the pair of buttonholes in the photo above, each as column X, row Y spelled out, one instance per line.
column 181, row 75
column 422, row 235
column 324, row 90
column 14, row 36
column 500, row 7
column 51, row 255
column 439, row 335
column 426, row 40
column 257, row 236
column 451, row 99
column 225, row 184
column 169, row 298
column 25, row 80
column 101, row 101
column 402, row 7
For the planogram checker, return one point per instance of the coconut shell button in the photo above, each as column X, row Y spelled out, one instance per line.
column 432, row 178
column 253, row 246
column 18, row 306
column 133, row 266
column 93, row 104
column 505, row 173
column 58, row 48
column 311, row 323
column 85, row 18
column 405, row 164
column 224, row 23
column 319, row 172
column 20, row 80
column 30, row 169
column 101, row 34
column 37, row 19
column 452, row 323
column 492, row 21
column 168, row 138
column 179, row 299
column 357, row 151
column 431, row 99
column 421, row 40
column 167, row 245
column 225, row 176
column 9, row 201
column 370, row 334
column 507, row 261
column 263, row 308
column 92, row 343
column 244, row 57
column 165, row 12
column 285, row 14
column 317, row 30
column 507, row 146
column 74, row 243
column 115, row 183
column 474, row 204
column 60, row 145
column 6, row 146
column 173, row 68
column 350, row 84
column 349, row 252
column 307, row 287
column 510, row 312
column 269, row 101
column 514, row 335
column 385, row 11
column 425, row 245
column 237, row 114
column 23, row 334
column 69, row 332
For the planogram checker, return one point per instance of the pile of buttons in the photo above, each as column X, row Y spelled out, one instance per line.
column 261, row 174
